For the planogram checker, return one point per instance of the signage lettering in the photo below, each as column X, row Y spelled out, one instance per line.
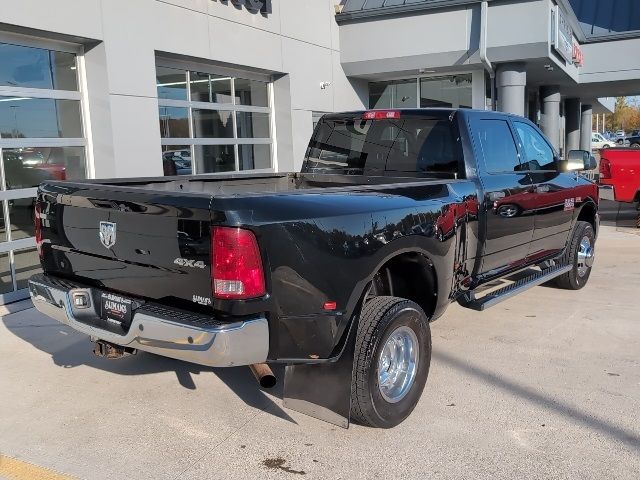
column 563, row 38
column 578, row 56
column 254, row 6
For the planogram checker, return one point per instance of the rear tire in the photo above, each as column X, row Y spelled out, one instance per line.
column 391, row 364
column 580, row 253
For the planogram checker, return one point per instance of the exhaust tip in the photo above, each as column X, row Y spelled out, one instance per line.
column 268, row 381
column 264, row 375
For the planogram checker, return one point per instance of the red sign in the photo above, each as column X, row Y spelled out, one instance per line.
column 578, row 56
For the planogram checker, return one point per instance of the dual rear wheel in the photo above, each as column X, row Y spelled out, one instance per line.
column 392, row 358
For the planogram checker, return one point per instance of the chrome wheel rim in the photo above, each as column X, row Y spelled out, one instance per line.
column 586, row 256
column 398, row 364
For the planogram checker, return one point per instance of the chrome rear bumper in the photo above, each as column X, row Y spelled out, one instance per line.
column 210, row 343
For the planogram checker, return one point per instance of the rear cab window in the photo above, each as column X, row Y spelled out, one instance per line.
column 403, row 145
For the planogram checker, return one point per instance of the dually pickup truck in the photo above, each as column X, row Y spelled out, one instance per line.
column 336, row 271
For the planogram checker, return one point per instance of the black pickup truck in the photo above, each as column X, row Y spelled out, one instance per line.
column 336, row 271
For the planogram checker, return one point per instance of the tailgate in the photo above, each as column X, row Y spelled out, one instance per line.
column 154, row 245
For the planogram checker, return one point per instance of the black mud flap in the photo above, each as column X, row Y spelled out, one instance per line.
column 323, row 390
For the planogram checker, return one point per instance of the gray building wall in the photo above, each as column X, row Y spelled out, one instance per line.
column 298, row 43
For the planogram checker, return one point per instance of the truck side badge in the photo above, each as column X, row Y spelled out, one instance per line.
column 108, row 234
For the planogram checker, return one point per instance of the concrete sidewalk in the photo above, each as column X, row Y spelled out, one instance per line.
column 546, row 385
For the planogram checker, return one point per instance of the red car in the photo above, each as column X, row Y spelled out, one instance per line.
column 620, row 174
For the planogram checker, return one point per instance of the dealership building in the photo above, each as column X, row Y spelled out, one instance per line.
column 123, row 88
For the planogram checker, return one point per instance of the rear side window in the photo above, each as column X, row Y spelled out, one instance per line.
column 413, row 144
column 498, row 147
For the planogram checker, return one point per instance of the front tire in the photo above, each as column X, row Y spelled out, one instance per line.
column 391, row 364
column 580, row 253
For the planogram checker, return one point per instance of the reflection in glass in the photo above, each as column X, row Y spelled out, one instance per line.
column 176, row 160
column 37, row 68
column 3, row 224
column 220, row 89
column 39, row 118
column 21, row 218
column 393, row 94
column 254, row 156
column 451, row 91
column 253, row 125
column 174, row 122
column 28, row 167
column 6, row 283
column 199, row 84
column 215, row 158
column 171, row 83
column 212, row 124
column 251, row 92
column 27, row 263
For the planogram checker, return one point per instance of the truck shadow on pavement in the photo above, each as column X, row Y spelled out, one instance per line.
column 69, row 349
column 535, row 397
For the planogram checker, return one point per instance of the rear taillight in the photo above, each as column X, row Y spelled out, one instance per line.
column 37, row 223
column 605, row 169
column 236, row 266
column 381, row 114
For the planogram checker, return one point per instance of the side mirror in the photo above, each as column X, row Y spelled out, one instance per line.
column 578, row 160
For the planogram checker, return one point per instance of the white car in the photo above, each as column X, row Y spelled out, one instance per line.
column 599, row 142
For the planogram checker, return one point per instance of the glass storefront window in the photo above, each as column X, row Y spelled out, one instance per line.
column 238, row 110
column 451, row 91
column 176, row 160
column 220, row 89
column 200, row 87
column 27, row 263
column 29, row 166
column 6, row 282
column 254, row 156
column 21, row 213
column 215, row 158
column 394, row 94
column 171, row 83
column 212, row 124
column 41, row 139
column 30, row 67
column 253, row 125
column 251, row 92
column 174, row 122
column 39, row 118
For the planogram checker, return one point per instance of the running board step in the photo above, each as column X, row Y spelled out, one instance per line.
column 469, row 299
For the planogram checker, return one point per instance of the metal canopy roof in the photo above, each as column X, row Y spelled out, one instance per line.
column 353, row 9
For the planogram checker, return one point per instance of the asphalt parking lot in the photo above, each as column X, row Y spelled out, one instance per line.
column 546, row 385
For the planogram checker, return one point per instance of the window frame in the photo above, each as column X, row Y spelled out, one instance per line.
column 233, row 107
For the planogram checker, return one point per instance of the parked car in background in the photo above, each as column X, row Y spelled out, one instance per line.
column 620, row 137
column 598, row 142
column 177, row 162
column 634, row 141
column 620, row 174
